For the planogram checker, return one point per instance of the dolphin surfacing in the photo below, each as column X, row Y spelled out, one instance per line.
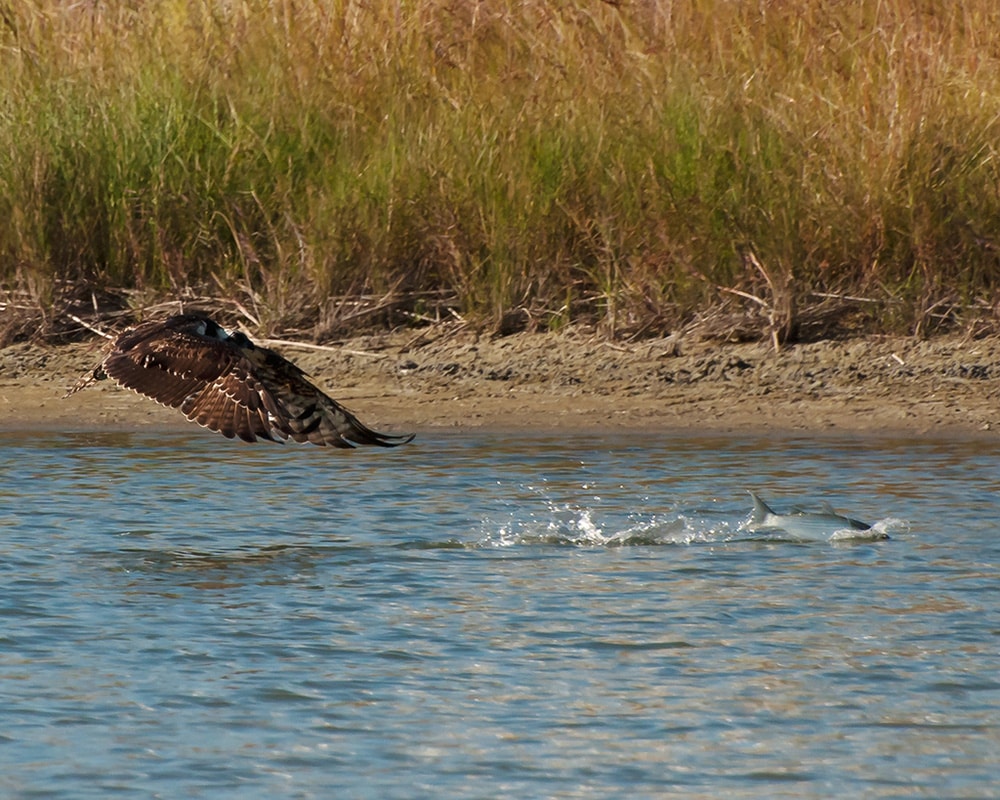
column 805, row 524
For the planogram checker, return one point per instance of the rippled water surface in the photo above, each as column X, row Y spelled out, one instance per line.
column 496, row 615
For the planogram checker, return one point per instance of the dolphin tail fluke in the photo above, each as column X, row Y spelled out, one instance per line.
column 856, row 524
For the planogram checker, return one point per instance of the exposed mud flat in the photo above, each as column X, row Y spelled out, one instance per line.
column 450, row 377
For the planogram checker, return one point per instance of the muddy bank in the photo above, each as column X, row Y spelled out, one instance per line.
column 448, row 377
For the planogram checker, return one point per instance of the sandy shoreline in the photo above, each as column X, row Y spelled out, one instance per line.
column 450, row 378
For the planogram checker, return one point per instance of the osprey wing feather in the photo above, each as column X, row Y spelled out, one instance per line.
column 228, row 384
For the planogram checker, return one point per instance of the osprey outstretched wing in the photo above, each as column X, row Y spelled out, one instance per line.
column 226, row 383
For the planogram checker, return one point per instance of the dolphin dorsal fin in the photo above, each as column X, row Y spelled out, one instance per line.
column 760, row 508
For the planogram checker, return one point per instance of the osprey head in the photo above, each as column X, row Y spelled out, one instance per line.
column 210, row 329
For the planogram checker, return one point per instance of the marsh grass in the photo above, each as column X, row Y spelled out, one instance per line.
column 580, row 161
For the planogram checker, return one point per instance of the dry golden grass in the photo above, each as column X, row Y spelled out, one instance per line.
column 638, row 164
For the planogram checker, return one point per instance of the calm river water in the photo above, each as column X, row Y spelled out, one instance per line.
column 495, row 615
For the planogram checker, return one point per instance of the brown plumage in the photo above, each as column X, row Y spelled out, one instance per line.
column 226, row 383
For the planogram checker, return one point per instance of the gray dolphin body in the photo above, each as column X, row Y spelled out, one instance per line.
column 805, row 524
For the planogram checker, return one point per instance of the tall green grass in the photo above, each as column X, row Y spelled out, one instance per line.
column 637, row 164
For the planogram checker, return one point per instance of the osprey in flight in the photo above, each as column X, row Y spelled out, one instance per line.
column 228, row 384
